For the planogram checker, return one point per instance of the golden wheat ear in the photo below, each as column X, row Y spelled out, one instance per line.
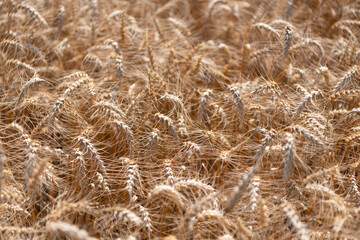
column 239, row 191
column 33, row 13
column 68, row 230
column 288, row 40
column 299, row 226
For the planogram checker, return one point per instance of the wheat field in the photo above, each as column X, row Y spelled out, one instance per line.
column 180, row 119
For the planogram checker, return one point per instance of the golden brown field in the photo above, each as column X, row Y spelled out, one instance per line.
column 179, row 120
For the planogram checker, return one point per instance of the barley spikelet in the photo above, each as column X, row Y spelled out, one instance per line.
column 243, row 229
column 203, row 102
column 355, row 187
column 174, row 100
column 347, row 23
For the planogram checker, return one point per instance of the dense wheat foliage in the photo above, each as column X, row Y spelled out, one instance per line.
column 180, row 119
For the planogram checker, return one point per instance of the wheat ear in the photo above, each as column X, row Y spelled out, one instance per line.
column 68, row 230
column 33, row 12
column 239, row 190
column 300, row 227
column 289, row 149
column 288, row 39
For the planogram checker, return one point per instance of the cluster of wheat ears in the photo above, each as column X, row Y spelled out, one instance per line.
column 181, row 119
